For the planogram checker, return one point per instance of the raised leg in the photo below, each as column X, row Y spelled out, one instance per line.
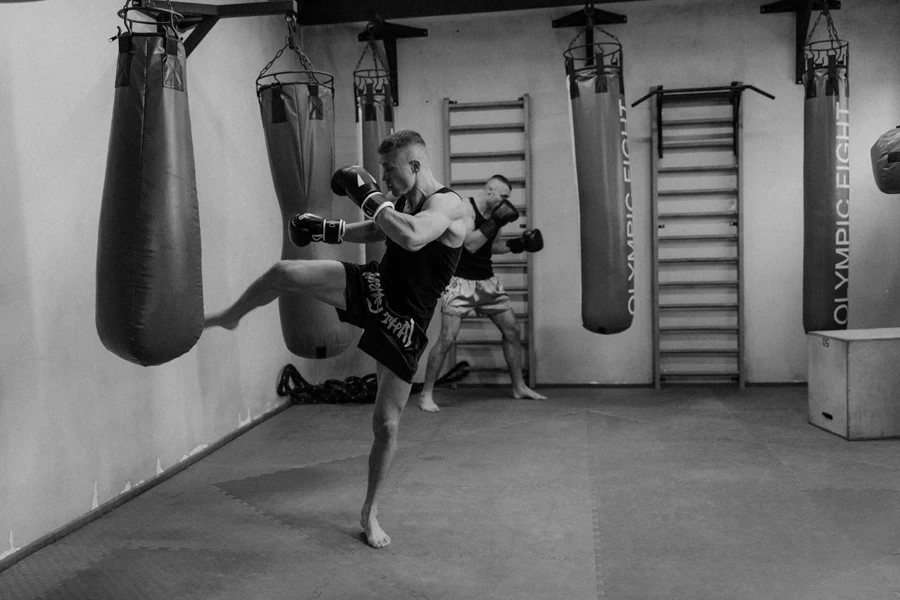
column 325, row 280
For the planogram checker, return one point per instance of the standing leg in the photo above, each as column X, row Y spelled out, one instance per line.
column 512, row 352
column 389, row 402
column 449, row 330
column 325, row 280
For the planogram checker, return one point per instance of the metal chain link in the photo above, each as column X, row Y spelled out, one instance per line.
column 289, row 43
column 377, row 56
column 589, row 11
column 832, row 31
column 174, row 17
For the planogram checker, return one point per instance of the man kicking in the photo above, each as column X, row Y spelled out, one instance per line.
column 393, row 301
column 475, row 287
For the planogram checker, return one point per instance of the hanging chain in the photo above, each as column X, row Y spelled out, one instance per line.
column 377, row 56
column 832, row 32
column 290, row 43
column 589, row 11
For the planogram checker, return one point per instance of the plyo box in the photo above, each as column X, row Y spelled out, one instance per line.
column 854, row 382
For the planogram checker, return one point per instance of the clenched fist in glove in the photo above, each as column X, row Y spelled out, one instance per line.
column 531, row 241
column 308, row 227
column 362, row 188
column 504, row 213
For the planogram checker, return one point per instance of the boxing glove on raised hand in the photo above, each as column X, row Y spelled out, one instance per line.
column 503, row 213
column 362, row 188
column 531, row 241
column 306, row 228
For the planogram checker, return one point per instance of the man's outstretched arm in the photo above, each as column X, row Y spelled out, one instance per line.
column 413, row 232
column 363, row 232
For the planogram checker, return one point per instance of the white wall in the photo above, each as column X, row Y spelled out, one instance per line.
column 675, row 43
column 73, row 415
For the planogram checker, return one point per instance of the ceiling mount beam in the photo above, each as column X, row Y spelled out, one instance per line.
column 202, row 17
column 389, row 33
column 803, row 10
column 344, row 11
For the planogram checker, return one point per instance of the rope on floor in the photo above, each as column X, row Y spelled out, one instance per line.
column 353, row 390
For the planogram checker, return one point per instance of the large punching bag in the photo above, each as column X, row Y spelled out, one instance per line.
column 826, row 187
column 596, row 90
column 375, row 121
column 149, row 305
column 297, row 111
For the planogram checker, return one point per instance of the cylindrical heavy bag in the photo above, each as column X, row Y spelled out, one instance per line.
column 149, row 306
column 604, row 188
column 826, row 191
column 298, row 120
column 886, row 162
column 375, row 121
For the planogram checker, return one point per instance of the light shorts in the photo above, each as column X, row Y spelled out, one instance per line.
column 485, row 296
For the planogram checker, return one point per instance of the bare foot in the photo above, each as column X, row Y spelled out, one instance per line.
column 375, row 535
column 219, row 320
column 526, row 393
column 426, row 403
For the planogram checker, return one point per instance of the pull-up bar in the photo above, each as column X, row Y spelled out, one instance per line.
column 707, row 91
column 730, row 92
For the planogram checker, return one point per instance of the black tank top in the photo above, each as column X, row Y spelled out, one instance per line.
column 414, row 281
column 476, row 265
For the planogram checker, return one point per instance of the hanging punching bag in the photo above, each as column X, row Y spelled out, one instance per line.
column 298, row 120
column 826, row 188
column 603, row 168
column 375, row 121
column 149, row 305
column 886, row 162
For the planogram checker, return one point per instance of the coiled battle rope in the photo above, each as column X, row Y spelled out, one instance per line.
column 353, row 390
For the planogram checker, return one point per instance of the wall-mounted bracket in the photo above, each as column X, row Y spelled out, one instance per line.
column 202, row 17
column 389, row 33
column 586, row 19
column 803, row 9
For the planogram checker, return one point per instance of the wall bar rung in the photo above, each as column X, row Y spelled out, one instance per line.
column 704, row 306
column 725, row 237
column 703, row 192
column 488, row 128
column 696, row 122
column 697, row 169
column 699, row 215
column 698, row 284
column 455, row 106
column 698, row 261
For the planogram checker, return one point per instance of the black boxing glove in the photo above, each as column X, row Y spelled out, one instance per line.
column 503, row 213
column 531, row 241
column 362, row 188
column 308, row 227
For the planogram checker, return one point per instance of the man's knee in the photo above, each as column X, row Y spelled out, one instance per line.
column 509, row 329
column 288, row 275
column 279, row 273
column 445, row 340
column 385, row 426
column 448, row 334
